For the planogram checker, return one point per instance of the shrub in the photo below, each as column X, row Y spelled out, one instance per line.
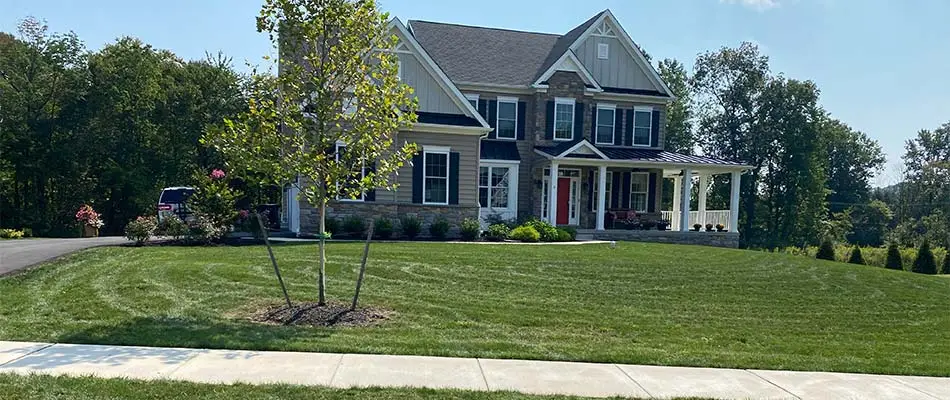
column 564, row 236
column 354, row 226
column 894, row 260
column 496, row 218
column 470, row 228
column 202, row 231
column 27, row 232
column 525, row 233
column 173, row 227
column 497, row 232
column 11, row 234
column 141, row 229
column 945, row 269
column 547, row 231
column 410, row 226
column 925, row 263
column 382, row 228
column 439, row 229
column 856, row 257
column 571, row 231
column 826, row 251
column 332, row 225
column 215, row 200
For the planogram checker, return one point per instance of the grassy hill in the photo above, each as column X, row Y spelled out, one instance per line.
column 638, row 303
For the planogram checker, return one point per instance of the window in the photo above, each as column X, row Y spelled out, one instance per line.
column 603, row 51
column 605, row 123
column 642, row 124
column 493, row 187
column 563, row 119
column 473, row 100
column 340, row 148
column 435, row 180
column 507, row 118
column 639, row 188
column 610, row 189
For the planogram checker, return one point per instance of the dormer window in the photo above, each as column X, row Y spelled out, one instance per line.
column 603, row 51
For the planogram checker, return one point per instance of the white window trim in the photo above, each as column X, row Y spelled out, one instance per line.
column 596, row 183
column 646, row 192
column 513, row 174
column 633, row 135
column 336, row 156
column 613, row 123
column 426, row 150
column 603, row 51
column 564, row 100
column 513, row 100
column 472, row 97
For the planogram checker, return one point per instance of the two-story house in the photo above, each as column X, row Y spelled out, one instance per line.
column 568, row 128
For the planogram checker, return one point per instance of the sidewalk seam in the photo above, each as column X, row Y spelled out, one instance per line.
column 194, row 355
column 338, row 363
column 482, row 371
column 772, row 383
column 48, row 345
column 912, row 387
column 635, row 382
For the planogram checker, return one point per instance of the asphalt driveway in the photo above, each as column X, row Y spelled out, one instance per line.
column 19, row 254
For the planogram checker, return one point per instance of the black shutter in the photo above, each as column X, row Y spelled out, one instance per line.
column 618, row 127
column 370, row 194
column 483, row 108
column 578, row 121
column 453, row 178
column 655, row 129
column 590, row 190
column 651, row 193
column 522, row 109
column 417, row 169
column 593, row 125
column 549, row 121
column 625, row 190
column 628, row 129
column 615, row 191
column 492, row 118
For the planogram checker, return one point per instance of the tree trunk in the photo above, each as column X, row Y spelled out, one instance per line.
column 359, row 280
column 273, row 260
column 321, row 275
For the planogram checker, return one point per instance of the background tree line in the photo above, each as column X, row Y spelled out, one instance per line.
column 108, row 128
column 811, row 175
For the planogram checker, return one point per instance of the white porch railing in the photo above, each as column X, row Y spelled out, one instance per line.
column 714, row 217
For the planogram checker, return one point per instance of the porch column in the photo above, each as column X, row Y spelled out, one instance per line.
column 601, row 196
column 734, row 202
column 677, row 193
column 552, row 195
column 684, row 199
column 703, row 187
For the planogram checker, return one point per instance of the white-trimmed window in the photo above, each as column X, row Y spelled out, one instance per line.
column 493, row 186
column 603, row 51
column 610, row 189
column 563, row 118
column 435, row 178
column 639, row 191
column 338, row 152
column 472, row 99
column 606, row 114
column 506, row 126
column 642, row 124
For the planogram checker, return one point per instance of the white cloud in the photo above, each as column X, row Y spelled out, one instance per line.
column 760, row 5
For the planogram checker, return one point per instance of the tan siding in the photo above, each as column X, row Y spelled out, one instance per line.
column 619, row 70
column 466, row 146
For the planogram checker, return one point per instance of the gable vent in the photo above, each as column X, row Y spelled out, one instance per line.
column 603, row 51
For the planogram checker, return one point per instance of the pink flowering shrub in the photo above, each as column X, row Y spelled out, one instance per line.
column 87, row 216
column 214, row 204
column 216, row 174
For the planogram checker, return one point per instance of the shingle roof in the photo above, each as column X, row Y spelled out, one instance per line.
column 484, row 55
column 635, row 154
column 564, row 43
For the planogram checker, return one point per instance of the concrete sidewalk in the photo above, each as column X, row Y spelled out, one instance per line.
column 538, row 377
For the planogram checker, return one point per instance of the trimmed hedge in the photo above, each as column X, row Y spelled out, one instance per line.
column 525, row 233
column 826, row 251
column 856, row 257
column 925, row 262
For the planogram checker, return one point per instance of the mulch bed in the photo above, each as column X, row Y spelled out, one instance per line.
column 329, row 315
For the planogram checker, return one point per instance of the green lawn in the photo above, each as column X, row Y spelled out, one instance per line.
column 638, row 303
column 36, row 387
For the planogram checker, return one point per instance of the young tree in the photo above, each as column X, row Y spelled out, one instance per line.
column 826, row 251
column 925, row 263
column 894, row 260
column 337, row 88
column 856, row 256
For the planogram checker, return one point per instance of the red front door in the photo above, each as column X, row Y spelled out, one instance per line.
column 563, row 200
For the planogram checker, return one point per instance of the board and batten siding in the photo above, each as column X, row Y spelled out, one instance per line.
column 466, row 146
column 432, row 98
column 619, row 70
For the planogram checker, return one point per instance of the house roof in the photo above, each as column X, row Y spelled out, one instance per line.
column 634, row 154
column 485, row 55
column 499, row 150
column 446, row 119
column 564, row 43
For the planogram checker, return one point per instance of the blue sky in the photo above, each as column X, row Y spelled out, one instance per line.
column 881, row 65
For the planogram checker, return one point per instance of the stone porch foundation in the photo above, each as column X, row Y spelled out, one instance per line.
column 714, row 239
column 370, row 211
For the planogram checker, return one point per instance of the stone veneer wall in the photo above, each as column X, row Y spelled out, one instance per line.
column 715, row 239
column 310, row 222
